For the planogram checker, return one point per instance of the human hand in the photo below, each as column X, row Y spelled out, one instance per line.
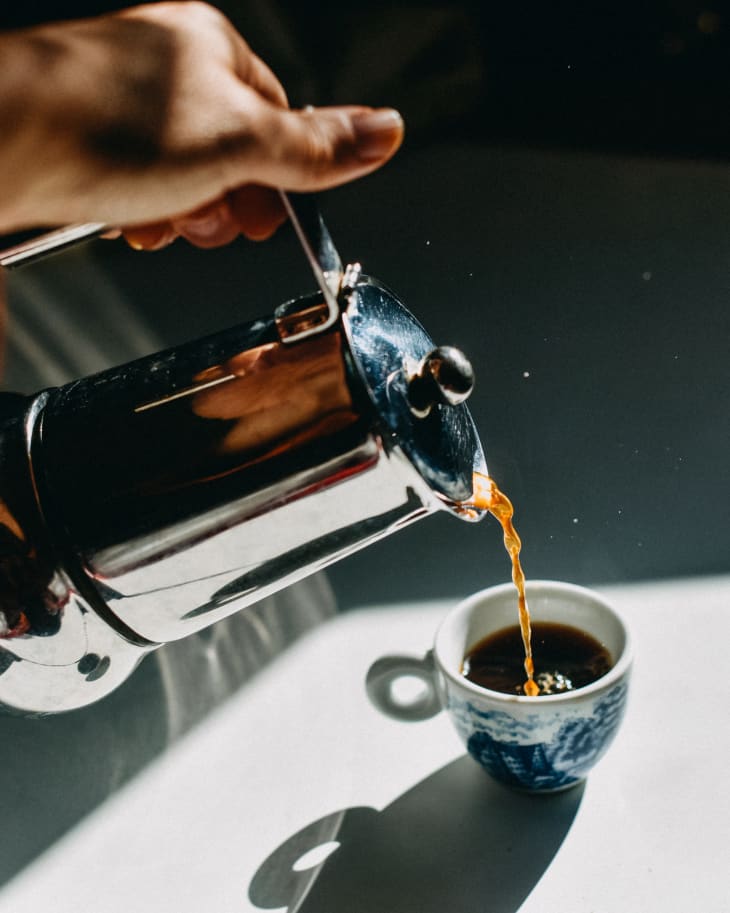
column 162, row 121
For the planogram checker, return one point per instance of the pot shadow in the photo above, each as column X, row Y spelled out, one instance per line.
column 457, row 841
column 55, row 770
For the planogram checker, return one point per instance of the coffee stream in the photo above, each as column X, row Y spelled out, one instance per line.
column 488, row 497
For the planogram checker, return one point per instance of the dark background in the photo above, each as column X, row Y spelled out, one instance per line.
column 561, row 211
column 641, row 78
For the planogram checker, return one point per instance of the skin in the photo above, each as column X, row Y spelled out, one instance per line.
column 161, row 122
column 161, row 116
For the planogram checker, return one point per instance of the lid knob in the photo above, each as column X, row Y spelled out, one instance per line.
column 445, row 376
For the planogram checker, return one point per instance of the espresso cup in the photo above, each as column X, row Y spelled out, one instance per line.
column 535, row 744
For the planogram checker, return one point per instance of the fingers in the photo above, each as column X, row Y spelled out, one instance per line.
column 210, row 226
column 311, row 149
column 154, row 236
column 252, row 70
column 255, row 212
column 207, row 227
column 316, row 148
column 297, row 150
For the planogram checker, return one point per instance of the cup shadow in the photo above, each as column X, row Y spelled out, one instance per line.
column 457, row 841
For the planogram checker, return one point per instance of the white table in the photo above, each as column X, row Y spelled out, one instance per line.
column 421, row 828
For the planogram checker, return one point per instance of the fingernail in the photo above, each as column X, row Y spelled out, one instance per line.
column 165, row 240
column 378, row 133
column 145, row 239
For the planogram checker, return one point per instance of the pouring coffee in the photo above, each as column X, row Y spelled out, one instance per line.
column 142, row 504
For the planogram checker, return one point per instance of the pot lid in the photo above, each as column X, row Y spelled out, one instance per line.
column 418, row 399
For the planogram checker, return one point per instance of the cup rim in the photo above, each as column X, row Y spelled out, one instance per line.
column 466, row 606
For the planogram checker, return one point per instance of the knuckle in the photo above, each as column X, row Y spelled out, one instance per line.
column 322, row 148
column 190, row 16
column 201, row 10
column 318, row 151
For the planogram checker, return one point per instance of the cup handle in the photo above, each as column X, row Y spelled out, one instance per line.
column 387, row 671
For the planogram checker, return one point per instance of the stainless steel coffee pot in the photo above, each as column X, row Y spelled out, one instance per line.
column 142, row 504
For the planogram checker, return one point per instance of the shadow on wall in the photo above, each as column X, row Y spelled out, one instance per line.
column 456, row 842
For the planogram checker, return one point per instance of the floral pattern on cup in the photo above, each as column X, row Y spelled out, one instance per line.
column 511, row 752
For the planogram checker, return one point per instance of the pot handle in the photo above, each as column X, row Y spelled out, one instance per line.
column 381, row 686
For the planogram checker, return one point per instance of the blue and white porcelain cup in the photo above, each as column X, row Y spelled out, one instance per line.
column 535, row 744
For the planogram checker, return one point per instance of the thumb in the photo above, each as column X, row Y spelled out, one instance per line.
column 317, row 148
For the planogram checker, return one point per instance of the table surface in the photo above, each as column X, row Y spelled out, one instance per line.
column 228, row 817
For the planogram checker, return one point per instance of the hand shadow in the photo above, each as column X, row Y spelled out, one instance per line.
column 456, row 842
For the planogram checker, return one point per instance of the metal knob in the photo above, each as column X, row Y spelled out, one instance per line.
column 444, row 376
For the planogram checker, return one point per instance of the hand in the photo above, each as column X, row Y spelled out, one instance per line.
column 162, row 121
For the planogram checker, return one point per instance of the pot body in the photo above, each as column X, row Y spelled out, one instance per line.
column 144, row 503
